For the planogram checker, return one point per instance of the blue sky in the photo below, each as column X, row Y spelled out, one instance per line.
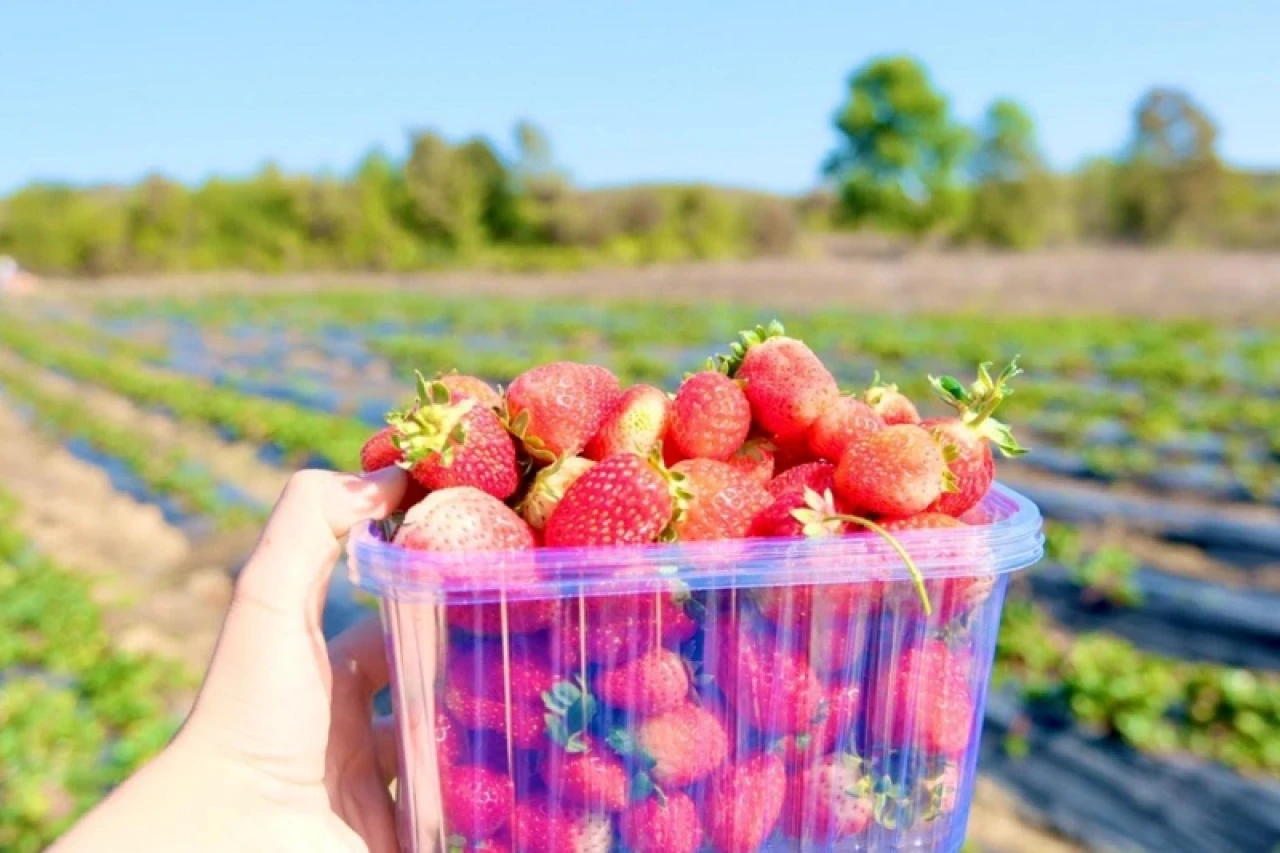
column 739, row 93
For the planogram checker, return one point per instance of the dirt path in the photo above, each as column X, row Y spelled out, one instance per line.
column 1230, row 286
column 157, row 596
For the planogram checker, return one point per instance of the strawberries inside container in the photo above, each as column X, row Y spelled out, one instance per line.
column 775, row 694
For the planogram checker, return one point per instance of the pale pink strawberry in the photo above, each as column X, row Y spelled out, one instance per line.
column 828, row 801
column 786, row 384
column 666, row 825
column 463, row 519
column 653, row 683
column 896, row 472
column 890, row 404
column 744, row 802
column 844, row 422
column 680, row 746
column 548, row 487
column 624, row 500
column 635, row 424
column 556, row 408
column 710, row 418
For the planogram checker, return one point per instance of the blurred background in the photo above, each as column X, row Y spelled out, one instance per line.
column 229, row 232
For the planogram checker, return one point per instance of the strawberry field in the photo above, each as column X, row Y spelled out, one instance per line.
column 1138, row 701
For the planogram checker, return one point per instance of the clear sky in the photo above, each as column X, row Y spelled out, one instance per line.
column 735, row 92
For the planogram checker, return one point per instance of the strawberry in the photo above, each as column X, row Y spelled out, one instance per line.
column 461, row 844
column 834, row 646
column 477, row 687
column 844, row 422
column 613, row 629
column 796, row 607
column 476, row 800
column 679, row 747
column 785, row 383
column 451, row 440
column 463, row 519
column 624, row 500
column 495, row 669
column 896, row 472
column 522, row 617
column 754, row 459
column 767, row 681
column 549, row 487
column 969, row 435
column 811, row 475
column 710, row 417
column 556, row 408
column 951, row 597
column 790, row 450
column 890, row 404
column 780, row 519
column 654, row 683
column 541, row 825
column 450, row 745
column 635, row 424
column 721, row 502
column 591, row 776
column 462, row 385
column 744, row 802
column 381, row 452
column 828, row 801
column 668, row 825
column 926, row 703
column 834, row 722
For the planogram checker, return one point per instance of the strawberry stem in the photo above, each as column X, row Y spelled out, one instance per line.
column 917, row 579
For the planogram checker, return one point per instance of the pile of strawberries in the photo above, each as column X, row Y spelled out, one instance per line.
column 673, row 722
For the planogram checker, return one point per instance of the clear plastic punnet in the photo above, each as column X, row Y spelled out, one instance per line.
column 734, row 696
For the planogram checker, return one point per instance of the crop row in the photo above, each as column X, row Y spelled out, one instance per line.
column 77, row 715
column 172, row 473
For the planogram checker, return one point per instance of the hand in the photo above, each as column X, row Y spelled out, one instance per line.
column 280, row 751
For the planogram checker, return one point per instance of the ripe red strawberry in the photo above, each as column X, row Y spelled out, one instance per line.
column 624, row 500
column 450, row 440
column 786, row 384
column 828, row 801
column 556, row 408
column 549, row 487
column 969, row 435
column 381, row 452
column 522, row 617
column 926, row 703
column 680, row 746
column 653, row 683
column 754, row 459
column 790, row 450
column 834, row 646
column 950, row 597
column 811, row 475
column 477, row 686
column 476, row 800
column 710, row 418
column 890, row 404
column 801, row 512
column 591, row 776
column 837, row 715
column 463, row 519
column 744, row 802
column 721, row 502
column 796, row 607
column 668, row 825
column 450, row 746
column 844, row 422
column 460, row 384
column 494, row 669
column 541, row 825
column 896, row 472
column 767, row 681
column 635, row 424
column 618, row 628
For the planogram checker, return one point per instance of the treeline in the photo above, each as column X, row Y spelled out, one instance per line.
column 443, row 204
column 905, row 164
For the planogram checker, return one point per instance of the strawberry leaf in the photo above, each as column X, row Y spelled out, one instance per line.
column 570, row 711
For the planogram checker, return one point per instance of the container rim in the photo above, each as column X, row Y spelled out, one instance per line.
column 1004, row 536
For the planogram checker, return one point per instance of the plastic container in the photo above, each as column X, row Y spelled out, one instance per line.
column 734, row 696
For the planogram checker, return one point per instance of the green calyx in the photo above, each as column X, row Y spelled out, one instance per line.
column 729, row 364
column 978, row 402
column 518, row 426
column 876, row 391
column 570, row 709
column 643, row 785
column 432, row 426
column 680, row 494
column 820, row 518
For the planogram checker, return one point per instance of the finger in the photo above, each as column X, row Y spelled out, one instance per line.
column 386, row 749
column 358, row 658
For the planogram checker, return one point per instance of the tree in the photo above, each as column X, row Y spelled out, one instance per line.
column 1012, row 190
column 896, row 163
column 446, row 193
column 1170, row 180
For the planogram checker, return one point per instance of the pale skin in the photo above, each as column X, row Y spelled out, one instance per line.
column 280, row 752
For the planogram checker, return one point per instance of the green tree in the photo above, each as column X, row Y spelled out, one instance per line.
column 446, row 192
column 896, row 163
column 1012, row 190
column 1170, row 181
